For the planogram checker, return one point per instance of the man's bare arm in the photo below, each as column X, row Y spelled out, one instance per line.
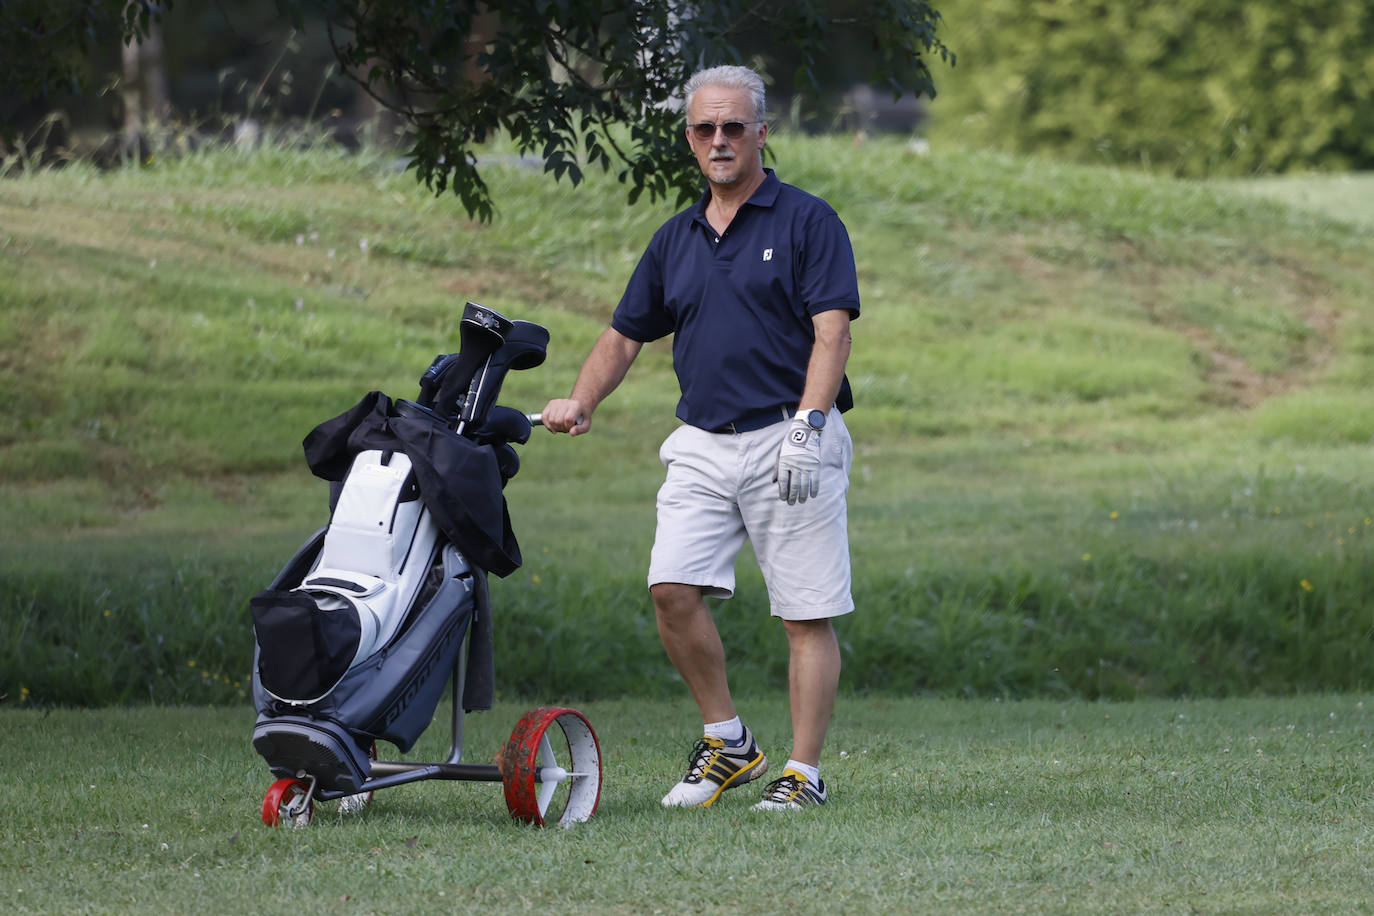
column 601, row 372
column 829, row 354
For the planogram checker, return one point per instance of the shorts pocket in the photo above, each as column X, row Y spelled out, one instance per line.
column 838, row 446
column 666, row 451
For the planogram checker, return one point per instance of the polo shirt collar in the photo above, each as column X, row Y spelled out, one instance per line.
column 765, row 195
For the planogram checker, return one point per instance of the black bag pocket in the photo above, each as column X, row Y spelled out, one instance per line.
column 305, row 642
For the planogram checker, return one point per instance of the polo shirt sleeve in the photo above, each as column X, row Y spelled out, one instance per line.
column 828, row 279
column 641, row 314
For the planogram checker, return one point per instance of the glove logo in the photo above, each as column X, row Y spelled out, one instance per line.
column 799, row 436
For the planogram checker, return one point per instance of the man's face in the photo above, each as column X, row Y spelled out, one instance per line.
column 724, row 161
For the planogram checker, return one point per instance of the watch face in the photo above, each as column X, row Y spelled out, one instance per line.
column 816, row 419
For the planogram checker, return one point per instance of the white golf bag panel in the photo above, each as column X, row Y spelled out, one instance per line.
column 377, row 551
column 376, row 517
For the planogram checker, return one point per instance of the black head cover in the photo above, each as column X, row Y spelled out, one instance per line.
column 525, row 346
column 503, row 424
column 481, row 333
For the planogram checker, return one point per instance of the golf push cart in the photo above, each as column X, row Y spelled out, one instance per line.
column 358, row 633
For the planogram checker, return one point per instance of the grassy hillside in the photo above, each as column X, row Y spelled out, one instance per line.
column 1349, row 197
column 1111, row 438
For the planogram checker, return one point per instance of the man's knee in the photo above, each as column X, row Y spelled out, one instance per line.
column 803, row 631
column 675, row 598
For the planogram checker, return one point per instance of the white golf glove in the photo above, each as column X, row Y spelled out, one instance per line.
column 798, row 472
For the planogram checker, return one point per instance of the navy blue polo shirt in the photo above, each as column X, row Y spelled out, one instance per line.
column 740, row 305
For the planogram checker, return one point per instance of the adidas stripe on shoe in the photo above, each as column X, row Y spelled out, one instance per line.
column 714, row 767
column 791, row 790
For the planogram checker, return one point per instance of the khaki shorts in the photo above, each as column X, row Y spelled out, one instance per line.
column 720, row 490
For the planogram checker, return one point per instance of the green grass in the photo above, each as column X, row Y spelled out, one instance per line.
column 1112, row 436
column 937, row 806
column 1349, row 197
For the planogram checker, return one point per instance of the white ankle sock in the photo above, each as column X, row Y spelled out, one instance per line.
column 731, row 731
column 812, row 774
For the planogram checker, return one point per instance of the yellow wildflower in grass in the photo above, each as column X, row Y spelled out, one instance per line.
column 1087, row 557
column 1306, row 586
column 23, row 694
column 108, row 612
column 190, row 663
column 1114, row 514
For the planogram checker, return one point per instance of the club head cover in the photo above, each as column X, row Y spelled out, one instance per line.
column 504, row 424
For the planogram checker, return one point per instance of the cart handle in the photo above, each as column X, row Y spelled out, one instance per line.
column 537, row 419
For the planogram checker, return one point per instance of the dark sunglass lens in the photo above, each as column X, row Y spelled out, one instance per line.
column 733, row 130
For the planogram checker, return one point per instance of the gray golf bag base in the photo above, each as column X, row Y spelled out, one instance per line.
column 325, row 750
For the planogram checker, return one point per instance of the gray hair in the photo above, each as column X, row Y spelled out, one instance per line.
column 731, row 78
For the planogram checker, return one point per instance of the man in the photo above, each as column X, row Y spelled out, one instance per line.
column 757, row 284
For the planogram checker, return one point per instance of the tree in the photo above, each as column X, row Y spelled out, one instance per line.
column 44, row 43
column 143, row 87
column 578, row 82
column 45, row 46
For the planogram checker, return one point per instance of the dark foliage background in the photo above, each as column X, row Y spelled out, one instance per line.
column 577, row 83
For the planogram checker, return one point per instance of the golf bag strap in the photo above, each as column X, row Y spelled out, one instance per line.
column 479, row 687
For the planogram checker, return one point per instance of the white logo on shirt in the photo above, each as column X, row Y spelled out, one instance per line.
column 768, row 254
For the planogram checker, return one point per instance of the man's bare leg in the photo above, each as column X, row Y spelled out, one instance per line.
column 693, row 645
column 692, row 642
column 813, row 678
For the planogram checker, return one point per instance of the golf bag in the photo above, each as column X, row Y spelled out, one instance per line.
column 359, row 632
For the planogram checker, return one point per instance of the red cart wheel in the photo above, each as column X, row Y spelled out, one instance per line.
column 552, row 775
column 354, row 804
column 288, row 802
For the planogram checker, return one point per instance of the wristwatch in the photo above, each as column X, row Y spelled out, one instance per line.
column 814, row 418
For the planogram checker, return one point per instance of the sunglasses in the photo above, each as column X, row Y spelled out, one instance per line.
column 733, row 130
